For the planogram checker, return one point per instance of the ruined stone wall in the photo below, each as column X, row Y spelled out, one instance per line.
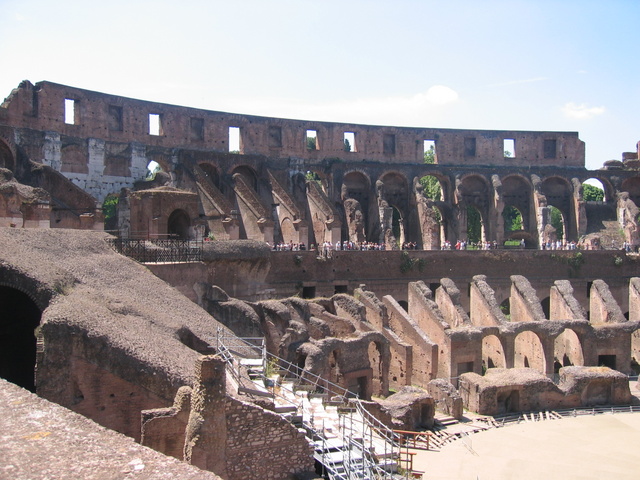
column 272, row 187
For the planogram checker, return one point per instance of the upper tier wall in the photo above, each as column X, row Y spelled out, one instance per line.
column 119, row 119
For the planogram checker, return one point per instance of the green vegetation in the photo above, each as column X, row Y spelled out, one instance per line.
column 512, row 219
column 110, row 211
column 407, row 263
column 474, row 224
column 430, row 184
column 557, row 222
column 347, row 145
column 312, row 144
column 591, row 193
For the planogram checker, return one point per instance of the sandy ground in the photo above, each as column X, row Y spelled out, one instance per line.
column 587, row 447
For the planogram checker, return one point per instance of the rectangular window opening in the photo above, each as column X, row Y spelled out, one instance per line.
column 550, row 148
column 155, row 124
column 389, row 144
column 70, row 111
column 350, row 142
column 430, row 151
column 115, row 118
column 509, row 148
column 311, row 140
column 470, row 147
column 196, row 126
column 275, row 137
column 234, row 139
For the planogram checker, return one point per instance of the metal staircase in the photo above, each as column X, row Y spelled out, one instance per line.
column 349, row 443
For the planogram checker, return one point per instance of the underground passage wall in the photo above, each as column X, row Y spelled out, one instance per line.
column 19, row 318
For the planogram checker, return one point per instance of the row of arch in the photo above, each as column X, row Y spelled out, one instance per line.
column 528, row 351
column 465, row 206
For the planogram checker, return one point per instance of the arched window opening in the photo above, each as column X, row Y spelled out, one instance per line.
column 431, row 187
column 492, row 353
column 505, row 307
column 248, row 175
column 557, row 222
column 529, row 352
column 513, row 221
column 6, row 157
column 398, row 227
column 474, row 225
column 593, row 191
column 567, row 349
column 20, row 317
column 110, row 212
column 153, row 168
column 178, row 225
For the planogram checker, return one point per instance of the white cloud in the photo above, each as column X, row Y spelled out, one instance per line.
column 441, row 95
column 407, row 110
column 581, row 111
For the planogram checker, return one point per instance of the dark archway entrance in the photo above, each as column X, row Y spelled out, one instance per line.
column 178, row 224
column 19, row 317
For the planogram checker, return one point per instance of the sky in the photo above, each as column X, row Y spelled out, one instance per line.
column 542, row 65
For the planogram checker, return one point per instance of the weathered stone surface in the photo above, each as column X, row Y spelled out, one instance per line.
column 43, row 440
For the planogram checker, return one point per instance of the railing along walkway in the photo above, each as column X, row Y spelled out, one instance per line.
column 349, row 442
column 158, row 250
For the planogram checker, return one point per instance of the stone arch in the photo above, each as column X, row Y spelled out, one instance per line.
column 212, row 173
column 472, row 224
column 509, row 213
column 7, row 159
column 473, row 195
column 529, row 352
column 161, row 159
column 355, row 193
column 493, row 355
column 320, row 177
column 248, row 174
column 396, row 190
column 517, row 192
column 559, row 194
column 20, row 317
column 397, row 226
column 288, row 231
column 567, row 350
column 178, row 224
column 632, row 186
column 604, row 184
column 299, row 188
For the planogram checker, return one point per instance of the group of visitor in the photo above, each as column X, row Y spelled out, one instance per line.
column 465, row 245
column 559, row 245
column 287, row 247
column 326, row 249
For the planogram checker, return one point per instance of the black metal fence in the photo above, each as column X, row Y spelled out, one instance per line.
column 159, row 250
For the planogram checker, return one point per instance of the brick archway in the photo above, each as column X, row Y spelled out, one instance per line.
column 19, row 319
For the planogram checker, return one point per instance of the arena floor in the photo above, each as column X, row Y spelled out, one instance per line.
column 589, row 447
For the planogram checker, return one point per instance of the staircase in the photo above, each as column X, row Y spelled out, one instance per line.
column 349, row 443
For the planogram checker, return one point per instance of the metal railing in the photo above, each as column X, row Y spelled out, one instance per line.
column 158, row 250
column 362, row 437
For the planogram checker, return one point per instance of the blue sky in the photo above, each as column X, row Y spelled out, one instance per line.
column 508, row 65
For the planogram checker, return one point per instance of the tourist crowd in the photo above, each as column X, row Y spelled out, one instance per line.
column 326, row 248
